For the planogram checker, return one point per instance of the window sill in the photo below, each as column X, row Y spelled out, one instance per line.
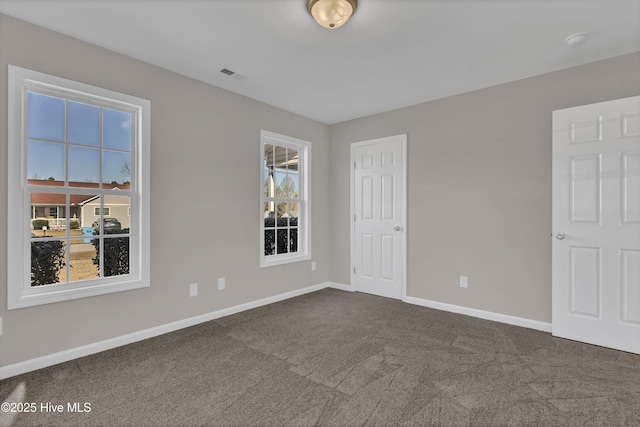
column 282, row 259
column 57, row 293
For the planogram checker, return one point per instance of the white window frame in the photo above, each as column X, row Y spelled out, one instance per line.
column 19, row 290
column 304, row 199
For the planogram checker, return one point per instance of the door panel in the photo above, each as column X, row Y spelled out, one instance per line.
column 378, row 203
column 367, row 251
column 596, row 224
column 584, row 281
column 630, row 203
column 585, row 190
column 630, row 276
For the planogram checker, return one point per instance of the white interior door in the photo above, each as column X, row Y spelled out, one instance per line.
column 378, row 207
column 596, row 224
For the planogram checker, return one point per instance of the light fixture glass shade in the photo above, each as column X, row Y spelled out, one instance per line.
column 331, row 14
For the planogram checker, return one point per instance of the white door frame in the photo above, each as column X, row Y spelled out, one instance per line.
column 405, row 229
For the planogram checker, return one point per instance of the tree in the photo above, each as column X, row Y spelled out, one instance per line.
column 287, row 188
column 126, row 169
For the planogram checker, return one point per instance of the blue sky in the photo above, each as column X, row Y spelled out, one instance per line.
column 50, row 118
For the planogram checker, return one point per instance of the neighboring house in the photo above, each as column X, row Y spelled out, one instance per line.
column 114, row 207
column 84, row 208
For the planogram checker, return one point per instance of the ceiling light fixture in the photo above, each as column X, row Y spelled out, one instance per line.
column 331, row 14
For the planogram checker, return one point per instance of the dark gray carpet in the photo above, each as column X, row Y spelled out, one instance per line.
column 344, row 359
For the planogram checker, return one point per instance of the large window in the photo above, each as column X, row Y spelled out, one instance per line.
column 284, row 212
column 83, row 152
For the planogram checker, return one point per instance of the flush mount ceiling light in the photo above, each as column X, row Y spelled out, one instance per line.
column 331, row 14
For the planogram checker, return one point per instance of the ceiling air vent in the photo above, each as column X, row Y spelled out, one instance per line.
column 227, row 72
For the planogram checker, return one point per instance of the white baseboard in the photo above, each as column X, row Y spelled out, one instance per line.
column 86, row 350
column 487, row 315
column 340, row 286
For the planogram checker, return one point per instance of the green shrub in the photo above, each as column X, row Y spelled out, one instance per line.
column 39, row 223
column 74, row 225
column 47, row 258
column 116, row 255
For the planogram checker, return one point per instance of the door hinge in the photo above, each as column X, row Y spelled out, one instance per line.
column 354, row 165
column 354, row 218
column 354, row 270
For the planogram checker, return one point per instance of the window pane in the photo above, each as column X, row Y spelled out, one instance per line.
column 293, row 213
column 47, row 262
column 280, row 157
column 292, row 159
column 269, row 185
column 115, row 168
column 115, row 217
column 268, row 156
column 279, row 178
column 283, row 241
column 45, row 208
column 81, row 213
column 84, row 124
column 45, row 161
column 116, row 256
column 289, row 186
column 84, row 167
column 82, row 253
column 269, row 219
column 293, row 240
column 116, row 129
column 116, row 214
column 269, row 242
column 45, row 117
column 283, row 214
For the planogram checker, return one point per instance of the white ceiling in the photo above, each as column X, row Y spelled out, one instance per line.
column 391, row 54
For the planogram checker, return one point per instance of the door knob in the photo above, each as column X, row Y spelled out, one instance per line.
column 560, row 236
column 397, row 228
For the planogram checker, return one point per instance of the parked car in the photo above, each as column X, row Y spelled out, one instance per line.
column 109, row 225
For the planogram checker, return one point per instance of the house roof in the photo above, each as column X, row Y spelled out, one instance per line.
column 52, row 199
column 48, row 199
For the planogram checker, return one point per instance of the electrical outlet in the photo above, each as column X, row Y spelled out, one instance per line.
column 313, row 266
column 221, row 284
column 464, row 282
column 193, row 290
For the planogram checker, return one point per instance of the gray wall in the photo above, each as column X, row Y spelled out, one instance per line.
column 205, row 209
column 479, row 186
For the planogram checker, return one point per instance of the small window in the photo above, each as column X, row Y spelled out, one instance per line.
column 105, row 211
column 284, row 201
column 80, row 147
